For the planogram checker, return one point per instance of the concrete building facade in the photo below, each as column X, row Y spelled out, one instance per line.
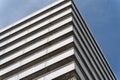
column 53, row 43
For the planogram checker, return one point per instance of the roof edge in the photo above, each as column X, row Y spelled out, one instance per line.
column 31, row 15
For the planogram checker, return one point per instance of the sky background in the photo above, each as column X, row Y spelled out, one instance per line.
column 102, row 17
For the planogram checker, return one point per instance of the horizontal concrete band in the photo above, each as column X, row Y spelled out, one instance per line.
column 42, row 30
column 38, row 37
column 37, row 25
column 41, row 58
column 58, row 41
column 41, row 18
column 36, row 72
column 33, row 16
column 41, row 42
column 68, row 76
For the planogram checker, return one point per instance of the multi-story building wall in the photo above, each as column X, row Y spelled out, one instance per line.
column 52, row 44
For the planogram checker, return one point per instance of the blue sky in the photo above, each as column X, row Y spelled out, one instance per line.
column 102, row 17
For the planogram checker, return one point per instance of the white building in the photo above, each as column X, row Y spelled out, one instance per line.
column 53, row 43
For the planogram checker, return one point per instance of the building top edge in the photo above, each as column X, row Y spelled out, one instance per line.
column 31, row 15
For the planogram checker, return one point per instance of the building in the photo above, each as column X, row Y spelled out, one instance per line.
column 52, row 44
